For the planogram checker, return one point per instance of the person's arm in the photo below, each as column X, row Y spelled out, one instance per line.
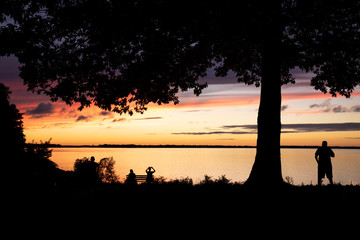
column 317, row 156
column 332, row 154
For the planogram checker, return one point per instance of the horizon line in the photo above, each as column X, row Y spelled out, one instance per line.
column 51, row 145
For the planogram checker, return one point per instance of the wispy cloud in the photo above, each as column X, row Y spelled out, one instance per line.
column 197, row 110
column 307, row 127
column 213, row 132
column 323, row 127
column 148, row 118
column 119, row 120
column 355, row 108
column 286, row 128
column 326, row 106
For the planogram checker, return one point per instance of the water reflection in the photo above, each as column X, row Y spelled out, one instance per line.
column 235, row 163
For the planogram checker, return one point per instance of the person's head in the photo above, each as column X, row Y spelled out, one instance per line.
column 92, row 159
column 131, row 171
column 324, row 143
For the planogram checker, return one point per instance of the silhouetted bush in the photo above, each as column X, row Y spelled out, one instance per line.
column 289, row 180
column 182, row 181
column 91, row 172
column 207, row 180
column 40, row 171
column 106, row 170
column 222, row 180
column 38, row 156
column 159, row 180
column 40, row 150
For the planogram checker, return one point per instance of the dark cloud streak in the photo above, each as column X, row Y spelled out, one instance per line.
column 308, row 127
column 286, row 128
column 326, row 106
column 149, row 118
column 323, row 127
column 212, row 133
column 41, row 110
column 355, row 108
column 81, row 118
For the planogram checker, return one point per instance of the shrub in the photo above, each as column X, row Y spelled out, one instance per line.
column 106, row 170
column 93, row 172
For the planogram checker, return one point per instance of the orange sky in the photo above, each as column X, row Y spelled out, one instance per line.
column 196, row 120
column 180, row 124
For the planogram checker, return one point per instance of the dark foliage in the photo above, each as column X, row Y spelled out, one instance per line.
column 12, row 138
column 92, row 172
column 106, row 170
column 123, row 55
column 25, row 166
column 118, row 52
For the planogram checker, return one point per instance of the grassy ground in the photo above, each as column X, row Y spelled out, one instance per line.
column 181, row 209
column 209, row 189
column 208, row 194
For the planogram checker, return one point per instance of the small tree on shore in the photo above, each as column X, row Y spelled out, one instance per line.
column 93, row 172
column 106, row 170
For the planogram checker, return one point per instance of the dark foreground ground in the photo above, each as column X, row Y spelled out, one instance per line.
column 183, row 194
column 182, row 210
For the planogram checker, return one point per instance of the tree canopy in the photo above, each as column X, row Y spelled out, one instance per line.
column 122, row 55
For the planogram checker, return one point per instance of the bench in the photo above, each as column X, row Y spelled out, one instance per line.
column 139, row 178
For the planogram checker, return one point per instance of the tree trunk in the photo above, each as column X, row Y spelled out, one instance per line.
column 267, row 166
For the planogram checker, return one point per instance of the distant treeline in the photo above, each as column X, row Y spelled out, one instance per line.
column 180, row 146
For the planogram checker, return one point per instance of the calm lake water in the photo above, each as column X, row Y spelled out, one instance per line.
column 234, row 163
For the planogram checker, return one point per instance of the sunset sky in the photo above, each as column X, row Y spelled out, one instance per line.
column 224, row 114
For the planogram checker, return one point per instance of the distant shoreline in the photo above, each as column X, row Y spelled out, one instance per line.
column 183, row 146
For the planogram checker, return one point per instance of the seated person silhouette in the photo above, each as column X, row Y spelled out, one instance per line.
column 131, row 178
column 150, row 171
column 323, row 157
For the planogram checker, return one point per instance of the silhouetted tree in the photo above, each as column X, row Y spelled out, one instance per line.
column 93, row 172
column 12, row 139
column 38, row 157
column 28, row 165
column 39, row 171
column 41, row 149
column 122, row 55
column 106, row 170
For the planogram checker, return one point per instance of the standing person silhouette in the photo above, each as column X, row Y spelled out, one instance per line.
column 150, row 171
column 92, row 173
column 323, row 157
